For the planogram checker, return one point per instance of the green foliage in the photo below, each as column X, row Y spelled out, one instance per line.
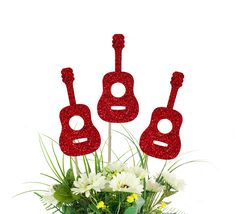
column 63, row 194
column 136, row 207
column 94, row 209
column 115, row 202
column 70, row 177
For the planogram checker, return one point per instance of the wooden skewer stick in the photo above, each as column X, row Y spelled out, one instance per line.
column 109, row 142
column 77, row 166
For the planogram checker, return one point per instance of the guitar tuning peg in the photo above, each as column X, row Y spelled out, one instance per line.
column 178, row 74
column 67, row 75
column 177, row 79
column 118, row 41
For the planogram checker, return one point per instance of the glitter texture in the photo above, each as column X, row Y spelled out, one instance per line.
column 128, row 101
column 152, row 134
column 68, row 135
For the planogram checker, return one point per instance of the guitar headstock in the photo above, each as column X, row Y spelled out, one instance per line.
column 177, row 79
column 118, row 41
column 67, row 75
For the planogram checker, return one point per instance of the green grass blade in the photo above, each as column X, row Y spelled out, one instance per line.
column 63, row 163
column 49, row 207
column 192, row 161
column 101, row 154
column 48, row 159
column 131, row 135
column 28, row 191
column 51, row 177
column 77, row 169
column 87, row 170
column 125, row 153
column 176, row 162
column 131, row 151
column 131, row 157
column 35, row 182
column 71, row 165
column 163, row 168
column 50, row 138
column 58, row 164
column 97, row 163
column 133, row 142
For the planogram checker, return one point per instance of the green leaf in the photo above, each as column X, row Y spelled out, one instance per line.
column 70, row 177
column 135, row 209
column 69, row 210
column 50, row 206
column 140, row 202
column 131, row 210
column 169, row 193
column 94, row 208
column 63, row 194
column 76, row 197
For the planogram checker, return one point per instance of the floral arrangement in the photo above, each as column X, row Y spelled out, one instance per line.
column 94, row 186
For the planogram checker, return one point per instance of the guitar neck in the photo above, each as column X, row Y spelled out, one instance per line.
column 118, row 45
column 172, row 97
column 118, row 59
column 68, row 78
column 71, row 94
column 176, row 83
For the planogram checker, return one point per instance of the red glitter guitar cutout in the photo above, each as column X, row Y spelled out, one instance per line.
column 76, row 142
column 170, row 142
column 118, row 109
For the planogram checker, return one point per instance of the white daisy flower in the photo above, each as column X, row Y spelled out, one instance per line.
column 115, row 167
column 138, row 171
column 153, row 186
column 49, row 197
column 126, row 182
column 177, row 184
column 86, row 183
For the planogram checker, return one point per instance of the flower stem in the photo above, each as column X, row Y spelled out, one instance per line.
column 118, row 209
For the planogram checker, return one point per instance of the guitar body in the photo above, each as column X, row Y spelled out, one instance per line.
column 171, row 139
column 128, row 101
column 69, row 137
column 164, row 145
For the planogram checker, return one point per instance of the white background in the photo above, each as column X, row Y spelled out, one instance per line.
column 198, row 38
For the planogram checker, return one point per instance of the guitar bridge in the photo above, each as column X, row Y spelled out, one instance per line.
column 159, row 143
column 80, row 140
column 118, row 108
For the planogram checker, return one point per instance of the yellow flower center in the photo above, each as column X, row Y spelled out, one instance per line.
column 131, row 198
column 163, row 204
column 101, row 205
column 135, row 196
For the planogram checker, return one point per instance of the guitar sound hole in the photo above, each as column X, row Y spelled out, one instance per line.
column 164, row 126
column 118, row 89
column 76, row 123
